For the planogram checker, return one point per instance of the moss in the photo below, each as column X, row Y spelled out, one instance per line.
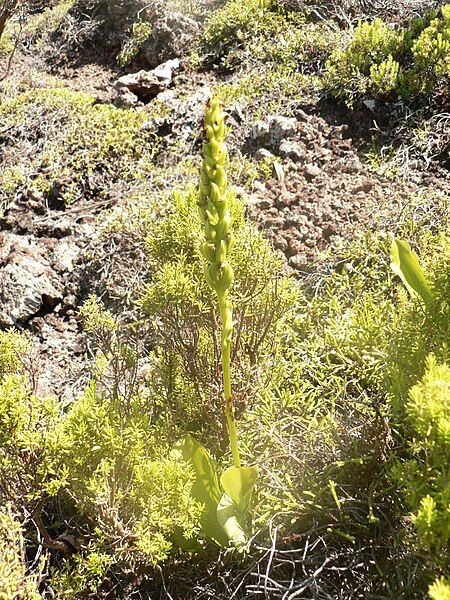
column 80, row 148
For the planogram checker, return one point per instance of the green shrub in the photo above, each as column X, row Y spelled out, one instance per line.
column 26, row 423
column 14, row 349
column 440, row 590
column 384, row 76
column 379, row 60
column 367, row 63
column 140, row 32
column 180, row 304
column 83, row 147
column 41, row 26
column 425, row 477
column 431, row 51
column 15, row 583
column 237, row 22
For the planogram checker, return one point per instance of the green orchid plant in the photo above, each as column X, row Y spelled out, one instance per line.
column 226, row 498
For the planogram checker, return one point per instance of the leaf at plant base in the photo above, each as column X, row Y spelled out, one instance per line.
column 406, row 265
column 205, row 488
column 228, row 518
column 238, row 483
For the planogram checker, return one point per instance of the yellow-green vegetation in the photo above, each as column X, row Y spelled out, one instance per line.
column 425, row 477
column 140, row 32
column 274, row 53
column 440, row 590
column 14, row 581
column 6, row 43
column 318, row 375
column 69, row 147
column 380, row 60
column 40, row 27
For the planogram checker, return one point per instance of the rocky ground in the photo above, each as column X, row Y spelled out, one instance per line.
column 321, row 190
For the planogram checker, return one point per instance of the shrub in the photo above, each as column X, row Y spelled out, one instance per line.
column 14, row 581
column 121, row 478
column 26, row 421
column 81, row 147
column 380, row 60
column 425, row 477
column 180, row 305
column 140, row 32
column 368, row 62
column 431, row 51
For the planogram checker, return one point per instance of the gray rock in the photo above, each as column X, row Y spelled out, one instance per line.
column 125, row 98
column 27, row 280
column 273, row 130
column 172, row 36
column 147, row 84
column 311, row 171
column 263, row 153
column 292, row 150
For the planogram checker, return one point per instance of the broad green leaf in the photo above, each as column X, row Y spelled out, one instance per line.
column 406, row 265
column 228, row 519
column 238, row 483
column 205, row 488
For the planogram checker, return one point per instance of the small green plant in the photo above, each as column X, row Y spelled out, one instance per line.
column 140, row 32
column 368, row 62
column 425, row 477
column 431, row 50
column 384, row 76
column 440, row 589
column 228, row 503
column 15, row 583
column 381, row 60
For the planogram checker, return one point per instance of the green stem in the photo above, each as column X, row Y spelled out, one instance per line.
column 226, row 373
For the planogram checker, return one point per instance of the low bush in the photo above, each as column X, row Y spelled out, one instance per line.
column 71, row 147
column 381, row 61
column 425, row 477
column 272, row 53
column 14, row 581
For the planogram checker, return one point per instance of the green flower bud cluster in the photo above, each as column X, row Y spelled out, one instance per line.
column 213, row 204
column 216, row 217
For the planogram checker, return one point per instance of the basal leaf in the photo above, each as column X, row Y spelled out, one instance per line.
column 229, row 520
column 238, row 483
column 205, row 488
column 405, row 264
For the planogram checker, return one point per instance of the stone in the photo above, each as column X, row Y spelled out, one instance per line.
column 147, row 84
column 173, row 36
column 27, row 281
column 125, row 98
column 273, row 130
column 311, row 171
column 264, row 154
column 292, row 150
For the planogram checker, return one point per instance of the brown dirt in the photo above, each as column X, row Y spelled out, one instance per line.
column 328, row 192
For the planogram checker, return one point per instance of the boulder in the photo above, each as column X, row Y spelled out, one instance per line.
column 147, row 84
column 27, row 281
column 272, row 131
column 172, row 36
